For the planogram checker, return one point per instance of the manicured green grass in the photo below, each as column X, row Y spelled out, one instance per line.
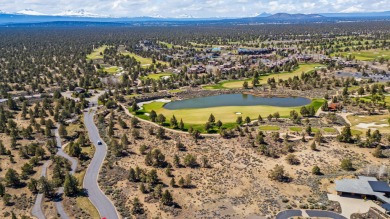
column 263, row 79
column 330, row 130
column 314, row 130
column 368, row 55
column 227, row 114
column 96, row 53
column 269, row 128
column 111, row 70
column 368, row 99
column 168, row 45
column 157, row 76
column 356, row 132
column 296, row 129
column 144, row 61
column 376, row 119
column 175, row 91
column 132, row 95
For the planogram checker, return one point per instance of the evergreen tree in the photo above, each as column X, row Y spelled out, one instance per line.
column 46, row 187
column 174, row 123
column 62, row 131
column 153, row 116
column 211, row 119
column 316, row 170
column 12, row 178
column 346, row 135
column 2, row 189
column 70, row 185
column 166, row 198
column 134, row 107
column 137, row 207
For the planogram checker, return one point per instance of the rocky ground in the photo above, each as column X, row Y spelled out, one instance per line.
column 236, row 184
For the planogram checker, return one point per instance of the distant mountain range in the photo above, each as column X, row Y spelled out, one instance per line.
column 84, row 13
column 294, row 16
column 30, row 16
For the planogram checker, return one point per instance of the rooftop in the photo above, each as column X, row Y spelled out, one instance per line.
column 365, row 186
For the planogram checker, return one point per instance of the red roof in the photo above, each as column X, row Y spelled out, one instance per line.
column 333, row 106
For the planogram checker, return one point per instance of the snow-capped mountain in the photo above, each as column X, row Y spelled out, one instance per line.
column 79, row 13
column 157, row 16
column 30, row 12
column 185, row 16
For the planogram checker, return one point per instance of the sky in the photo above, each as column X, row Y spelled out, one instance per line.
column 194, row 8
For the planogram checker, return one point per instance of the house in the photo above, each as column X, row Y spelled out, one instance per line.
column 366, row 187
column 334, row 106
column 304, row 58
column 245, row 51
column 197, row 69
column 79, row 90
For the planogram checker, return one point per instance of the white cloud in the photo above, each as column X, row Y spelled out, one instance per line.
column 196, row 8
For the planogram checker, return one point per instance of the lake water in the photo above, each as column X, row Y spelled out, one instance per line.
column 236, row 100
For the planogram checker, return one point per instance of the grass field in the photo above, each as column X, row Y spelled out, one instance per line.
column 144, row 61
column 263, row 79
column 96, row 53
column 368, row 99
column 368, row 55
column 330, row 130
column 111, row 70
column 269, row 128
column 227, row 114
column 356, row 132
column 157, row 76
column 374, row 119
column 168, row 45
column 175, row 91
column 300, row 129
column 296, row 129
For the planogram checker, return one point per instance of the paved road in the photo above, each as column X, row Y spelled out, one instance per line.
column 99, row 200
column 311, row 213
column 326, row 214
column 37, row 208
column 60, row 191
column 288, row 214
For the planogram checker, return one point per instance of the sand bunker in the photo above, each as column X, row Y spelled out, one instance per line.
column 370, row 125
column 140, row 105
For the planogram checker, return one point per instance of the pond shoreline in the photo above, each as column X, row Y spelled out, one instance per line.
column 236, row 100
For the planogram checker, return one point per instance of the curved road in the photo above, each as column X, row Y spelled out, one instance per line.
column 98, row 198
column 311, row 213
column 37, row 208
column 60, row 191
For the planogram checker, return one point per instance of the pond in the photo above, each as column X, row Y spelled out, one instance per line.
column 236, row 100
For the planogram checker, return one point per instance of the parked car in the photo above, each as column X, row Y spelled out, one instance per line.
column 99, row 142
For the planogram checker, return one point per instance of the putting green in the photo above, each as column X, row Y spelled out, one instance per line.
column 263, row 79
column 227, row 114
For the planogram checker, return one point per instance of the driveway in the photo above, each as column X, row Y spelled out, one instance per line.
column 352, row 204
column 308, row 213
column 37, row 208
column 288, row 214
column 325, row 214
column 60, row 192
